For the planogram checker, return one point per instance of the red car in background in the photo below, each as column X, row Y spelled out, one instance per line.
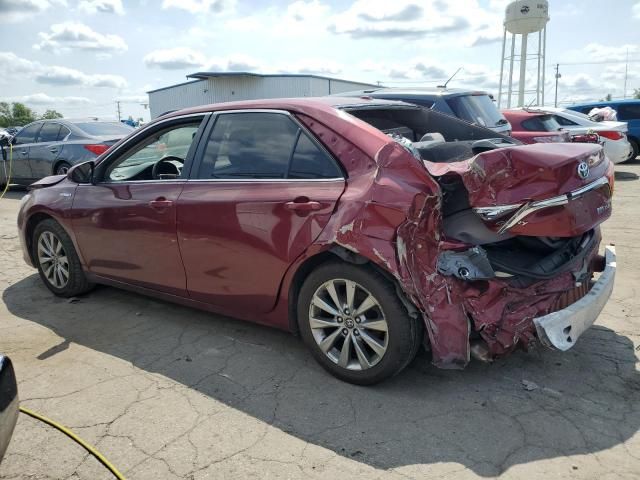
column 536, row 127
column 368, row 226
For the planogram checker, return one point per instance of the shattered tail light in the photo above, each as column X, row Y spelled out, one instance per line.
column 98, row 149
column 586, row 138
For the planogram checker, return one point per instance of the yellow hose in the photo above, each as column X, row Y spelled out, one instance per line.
column 77, row 439
column 8, row 179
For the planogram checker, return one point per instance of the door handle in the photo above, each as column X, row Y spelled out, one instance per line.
column 307, row 206
column 160, row 204
column 24, row 152
column 53, row 150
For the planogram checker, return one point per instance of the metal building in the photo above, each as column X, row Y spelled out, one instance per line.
column 215, row 87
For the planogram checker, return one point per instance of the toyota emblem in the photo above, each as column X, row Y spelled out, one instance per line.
column 583, row 170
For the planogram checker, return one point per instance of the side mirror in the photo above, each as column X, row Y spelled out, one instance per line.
column 8, row 403
column 82, row 173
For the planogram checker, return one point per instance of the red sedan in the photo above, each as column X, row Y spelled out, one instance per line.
column 368, row 227
column 535, row 127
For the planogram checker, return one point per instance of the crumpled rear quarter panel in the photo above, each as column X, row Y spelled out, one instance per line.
column 390, row 213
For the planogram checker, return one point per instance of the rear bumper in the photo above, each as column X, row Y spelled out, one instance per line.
column 561, row 329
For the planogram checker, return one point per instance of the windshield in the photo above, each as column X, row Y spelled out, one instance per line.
column 478, row 109
column 105, row 128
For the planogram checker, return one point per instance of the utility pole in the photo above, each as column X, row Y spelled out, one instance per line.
column 626, row 69
column 118, row 105
column 555, row 103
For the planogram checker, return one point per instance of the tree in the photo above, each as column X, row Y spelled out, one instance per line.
column 5, row 115
column 21, row 114
column 50, row 115
column 636, row 93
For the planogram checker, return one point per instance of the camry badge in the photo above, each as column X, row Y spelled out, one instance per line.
column 583, row 170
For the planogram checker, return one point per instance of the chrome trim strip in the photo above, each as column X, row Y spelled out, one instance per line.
column 266, row 180
column 531, row 207
column 492, row 213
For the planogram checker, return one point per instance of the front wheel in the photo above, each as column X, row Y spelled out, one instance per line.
column 355, row 325
column 57, row 261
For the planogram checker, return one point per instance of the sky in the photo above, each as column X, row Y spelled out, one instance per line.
column 82, row 56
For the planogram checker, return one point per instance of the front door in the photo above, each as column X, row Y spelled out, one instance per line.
column 125, row 224
column 261, row 194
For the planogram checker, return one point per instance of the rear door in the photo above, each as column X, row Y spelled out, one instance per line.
column 630, row 113
column 260, row 194
column 22, row 143
column 43, row 153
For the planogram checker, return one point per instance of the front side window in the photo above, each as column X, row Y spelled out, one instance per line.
column 159, row 156
column 49, row 132
column 27, row 134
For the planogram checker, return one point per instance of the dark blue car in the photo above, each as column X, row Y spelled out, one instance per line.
column 628, row 111
column 474, row 106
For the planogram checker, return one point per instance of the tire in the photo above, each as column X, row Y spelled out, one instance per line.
column 62, row 168
column 364, row 363
column 49, row 236
column 636, row 150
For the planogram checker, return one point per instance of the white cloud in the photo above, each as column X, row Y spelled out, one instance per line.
column 200, row 6
column 101, row 6
column 18, row 10
column 16, row 68
column 177, row 58
column 44, row 99
column 636, row 11
column 314, row 67
column 78, row 36
column 68, row 76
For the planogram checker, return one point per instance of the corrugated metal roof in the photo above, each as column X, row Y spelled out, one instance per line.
column 202, row 75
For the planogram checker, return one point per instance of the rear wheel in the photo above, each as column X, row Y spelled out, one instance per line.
column 635, row 149
column 57, row 260
column 62, row 168
column 355, row 325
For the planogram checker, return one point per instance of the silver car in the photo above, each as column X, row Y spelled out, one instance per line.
column 49, row 147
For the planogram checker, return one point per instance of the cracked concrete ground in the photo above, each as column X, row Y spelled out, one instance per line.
column 166, row 392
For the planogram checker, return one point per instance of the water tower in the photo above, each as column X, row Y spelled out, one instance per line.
column 522, row 18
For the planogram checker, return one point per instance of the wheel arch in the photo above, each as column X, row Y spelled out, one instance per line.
column 30, row 227
column 337, row 252
column 57, row 163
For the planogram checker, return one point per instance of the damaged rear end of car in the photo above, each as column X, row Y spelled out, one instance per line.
column 495, row 244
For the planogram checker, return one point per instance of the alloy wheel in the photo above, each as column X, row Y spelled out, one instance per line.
column 348, row 324
column 53, row 259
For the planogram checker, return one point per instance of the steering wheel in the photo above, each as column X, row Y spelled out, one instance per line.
column 164, row 166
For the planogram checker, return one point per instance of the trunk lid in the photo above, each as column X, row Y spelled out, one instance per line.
column 501, row 182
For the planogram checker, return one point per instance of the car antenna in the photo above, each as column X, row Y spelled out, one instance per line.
column 447, row 82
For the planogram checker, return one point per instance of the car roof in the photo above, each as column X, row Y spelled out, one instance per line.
column 415, row 91
column 606, row 103
column 521, row 114
column 293, row 104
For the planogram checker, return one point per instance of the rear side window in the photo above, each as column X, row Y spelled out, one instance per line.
column 260, row 145
column 64, row 131
column 629, row 111
column 309, row 161
column 541, row 123
column 49, row 132
column 27, row 134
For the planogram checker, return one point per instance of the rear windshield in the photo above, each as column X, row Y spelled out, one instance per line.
column 478, row 109
column 541, row 123
column 105, row 128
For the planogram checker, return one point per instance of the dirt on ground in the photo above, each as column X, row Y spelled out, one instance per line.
column 167, row 392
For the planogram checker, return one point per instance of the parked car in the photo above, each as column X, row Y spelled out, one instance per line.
column 357, row 223
column 50, row 147
column 535, row 127
column 474, row 106
column 612, row 134
column 628, row 111
column 13, row 131
column 8, row 403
